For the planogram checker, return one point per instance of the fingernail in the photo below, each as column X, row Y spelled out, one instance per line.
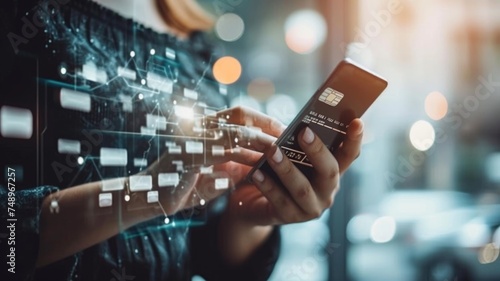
column 308, row 135
column 258, row 176
column 277, row 156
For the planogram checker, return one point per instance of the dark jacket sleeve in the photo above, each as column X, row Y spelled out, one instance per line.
column 22, row 226
column 207, row 261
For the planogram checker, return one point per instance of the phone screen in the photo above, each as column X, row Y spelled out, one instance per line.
column 346, row 95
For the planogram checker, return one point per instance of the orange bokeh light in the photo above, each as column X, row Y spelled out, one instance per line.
column 436, row 105
column 227, row 70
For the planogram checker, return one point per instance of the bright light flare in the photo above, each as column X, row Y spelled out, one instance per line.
column 383, row 230
column 436, row 105
column 422, row 135
column 305, row 31
column 183, row 112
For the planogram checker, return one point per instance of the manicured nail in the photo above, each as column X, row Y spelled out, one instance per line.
column 258, row 176
column 277, row 156
column 308, row 135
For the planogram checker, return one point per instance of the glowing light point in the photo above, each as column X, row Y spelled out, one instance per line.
column 202, row 202
column 143, row 81
column 229, row 27
column 422, row 135
column 227, row 70
column 127, row 198
column 240, row 203
column 236, row 140
column 63, row 70
column 305, row 31
column 167, row 220
column 152, row 52
column 132, row 54
column 54, row 206
column 436, row 105
column 80, row 160
column 141, row 96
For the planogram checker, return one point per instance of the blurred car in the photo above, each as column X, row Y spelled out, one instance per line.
column 382, row 237
column 461, row 245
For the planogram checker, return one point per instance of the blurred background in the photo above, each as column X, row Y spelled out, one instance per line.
column 422, row 202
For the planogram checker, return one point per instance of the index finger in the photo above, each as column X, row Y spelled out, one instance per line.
column 249, row 117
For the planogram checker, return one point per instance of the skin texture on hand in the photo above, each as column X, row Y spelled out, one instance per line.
column 297, row 199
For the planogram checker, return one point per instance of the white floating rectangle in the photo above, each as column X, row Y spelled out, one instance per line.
column 194, row 147
column 156, row 121
column 147, row 131
column 170, row 143
column 168, row 179
column 105, row 200
column 192, row 94
column 16, row 122
column 221, row 183
column 75, row 100
column 140, row 183
column 207, row 170
column 179, row 165
column 68, row 146
column 218, row 150
column 174, row 149
column 161, row 83
column 152, row 196
column 140, row 162
column 113, row 156
column 170, row 53
column 91, row 72
column 126, row 102
column 113, row 184
column 127, row 73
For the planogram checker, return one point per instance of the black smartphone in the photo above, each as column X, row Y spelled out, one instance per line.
column 346, row 94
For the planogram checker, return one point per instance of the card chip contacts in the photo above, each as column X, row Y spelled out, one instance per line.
column 331, row 97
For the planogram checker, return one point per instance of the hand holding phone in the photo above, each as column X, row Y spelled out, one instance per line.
column 345, row 95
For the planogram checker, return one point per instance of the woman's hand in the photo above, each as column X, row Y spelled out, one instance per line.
column 297, row 199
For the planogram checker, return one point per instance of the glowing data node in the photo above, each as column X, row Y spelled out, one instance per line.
column 113, row 157
column 152, row 196
column 222, row 183
column 105, row 200
column 140, row 183
column 16, row 122
column 75, row 100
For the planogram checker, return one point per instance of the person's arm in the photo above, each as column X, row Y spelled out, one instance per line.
column 254, row 210
column 81, row 223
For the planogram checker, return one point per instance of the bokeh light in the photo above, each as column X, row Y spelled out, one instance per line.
column 383, row 230
column 282, row 107
column 261, row 89
column 422, row 135
column 227, row 70
column 436, row 105
column 305, row 31
column 229, row 27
